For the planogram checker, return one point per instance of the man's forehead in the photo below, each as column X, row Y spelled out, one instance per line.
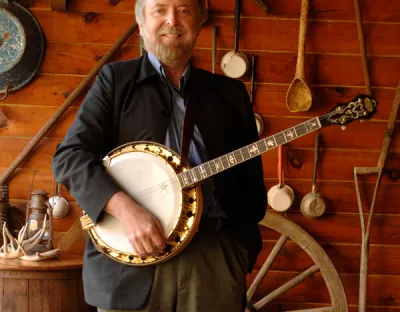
column 160, row 3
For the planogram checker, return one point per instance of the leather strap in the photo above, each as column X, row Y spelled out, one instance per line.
column 188, row 126
column 59, row 5
column 280, row 166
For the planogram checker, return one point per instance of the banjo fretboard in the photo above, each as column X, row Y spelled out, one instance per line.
column 212, row 167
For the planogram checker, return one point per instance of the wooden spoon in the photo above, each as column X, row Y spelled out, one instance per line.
column 298, row 97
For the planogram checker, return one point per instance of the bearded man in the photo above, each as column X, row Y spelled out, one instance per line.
column 145, row 99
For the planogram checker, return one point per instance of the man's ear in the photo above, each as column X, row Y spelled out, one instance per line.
column 140, row 25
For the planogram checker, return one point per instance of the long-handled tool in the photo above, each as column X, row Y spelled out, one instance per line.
column 298, row 96
column 362, row 46
column 365, row 232
column 75, row 230
column 68, row 102
column 368, row 171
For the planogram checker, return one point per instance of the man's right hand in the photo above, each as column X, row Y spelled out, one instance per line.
column 143, row 230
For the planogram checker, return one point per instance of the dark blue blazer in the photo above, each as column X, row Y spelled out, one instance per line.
column 130, row 102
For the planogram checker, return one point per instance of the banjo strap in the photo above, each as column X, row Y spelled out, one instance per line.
column 188, row 126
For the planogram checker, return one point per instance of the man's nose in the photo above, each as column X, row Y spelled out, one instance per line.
column 172, row 19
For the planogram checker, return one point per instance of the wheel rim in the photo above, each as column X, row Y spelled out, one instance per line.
column 322, row 263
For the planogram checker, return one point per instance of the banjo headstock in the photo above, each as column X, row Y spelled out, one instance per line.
column 361, row 107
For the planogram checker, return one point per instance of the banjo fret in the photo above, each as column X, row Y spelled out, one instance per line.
column 171, row 190
column 200, row 172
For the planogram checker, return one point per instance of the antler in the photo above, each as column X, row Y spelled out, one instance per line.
column 20, row 247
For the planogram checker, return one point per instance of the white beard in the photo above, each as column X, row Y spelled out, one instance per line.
column 171, row 54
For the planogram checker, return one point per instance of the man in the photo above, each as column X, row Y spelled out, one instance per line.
column 144, row 100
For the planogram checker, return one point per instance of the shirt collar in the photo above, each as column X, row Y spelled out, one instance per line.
column 159, row 68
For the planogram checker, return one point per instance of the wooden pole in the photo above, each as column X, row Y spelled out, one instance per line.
column 71, row 98
column 365, row 230
column 362, row 46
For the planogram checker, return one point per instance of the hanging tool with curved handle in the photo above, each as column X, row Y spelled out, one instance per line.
column 280, row 196
column 298, row 97
column 313, row 204
column 235, row 64
column 259, row 120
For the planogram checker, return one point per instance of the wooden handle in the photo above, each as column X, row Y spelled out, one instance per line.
column 362, row 46
column 316, row 152
column 280, row 166
column 389, row 130
column 68, row 102
column 214, row 48
column 237, row 24
column 253, row 72
column 302, row 39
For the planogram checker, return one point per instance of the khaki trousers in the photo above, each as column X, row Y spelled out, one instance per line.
column 209, row 275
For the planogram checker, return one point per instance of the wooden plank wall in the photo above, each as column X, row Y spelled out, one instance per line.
column 78, row 39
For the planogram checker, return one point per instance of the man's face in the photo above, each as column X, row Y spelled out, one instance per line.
column 170, row 29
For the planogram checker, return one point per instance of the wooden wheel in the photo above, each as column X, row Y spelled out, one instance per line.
column 322, row 263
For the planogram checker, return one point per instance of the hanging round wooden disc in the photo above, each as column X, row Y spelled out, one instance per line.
column 22, row 46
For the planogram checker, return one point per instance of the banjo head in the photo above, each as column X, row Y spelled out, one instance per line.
column 148, row 173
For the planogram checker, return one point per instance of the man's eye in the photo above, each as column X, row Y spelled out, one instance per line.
column 184, row 11
column 158, row 12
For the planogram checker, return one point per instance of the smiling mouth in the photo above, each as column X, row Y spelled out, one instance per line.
column 172, row 35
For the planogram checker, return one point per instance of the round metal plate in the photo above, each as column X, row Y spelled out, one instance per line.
column 12, row 40
column 22, row 69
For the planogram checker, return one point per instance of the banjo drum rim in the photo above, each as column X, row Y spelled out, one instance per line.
column 191, row 209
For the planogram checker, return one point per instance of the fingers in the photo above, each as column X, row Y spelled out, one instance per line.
column 159, row 240
column 150, row 241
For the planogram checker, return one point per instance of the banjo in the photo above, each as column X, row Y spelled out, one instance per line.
column 154, row 176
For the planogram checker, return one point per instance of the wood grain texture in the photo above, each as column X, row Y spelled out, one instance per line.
column 1, row 293
column 272, row 67
column 66, row 303
column 266, row 34
column 78, row 39
column 15, row 295
column 337, row 165
column 345, row 257
column 344, row 228
column 41, row 294
column 381, row 289
column 372, row 11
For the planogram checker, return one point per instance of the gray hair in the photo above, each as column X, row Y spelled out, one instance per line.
column 201, row 11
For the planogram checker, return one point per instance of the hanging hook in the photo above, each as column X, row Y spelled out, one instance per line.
column 6, row 94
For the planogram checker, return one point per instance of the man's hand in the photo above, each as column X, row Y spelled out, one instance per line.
column 143, row 230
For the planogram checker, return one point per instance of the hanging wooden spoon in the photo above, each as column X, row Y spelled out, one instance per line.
column 298, row 97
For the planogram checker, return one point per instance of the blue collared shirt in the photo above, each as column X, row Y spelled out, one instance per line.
column 197, row 152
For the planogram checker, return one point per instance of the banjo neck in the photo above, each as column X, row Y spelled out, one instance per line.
column 201, row 172
column 361, row 107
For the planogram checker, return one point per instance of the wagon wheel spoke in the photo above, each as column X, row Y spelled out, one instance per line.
column 297, row 235
column 286, row 287
column 267, row 265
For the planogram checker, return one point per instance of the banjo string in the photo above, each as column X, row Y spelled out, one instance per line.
column 173, row 182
